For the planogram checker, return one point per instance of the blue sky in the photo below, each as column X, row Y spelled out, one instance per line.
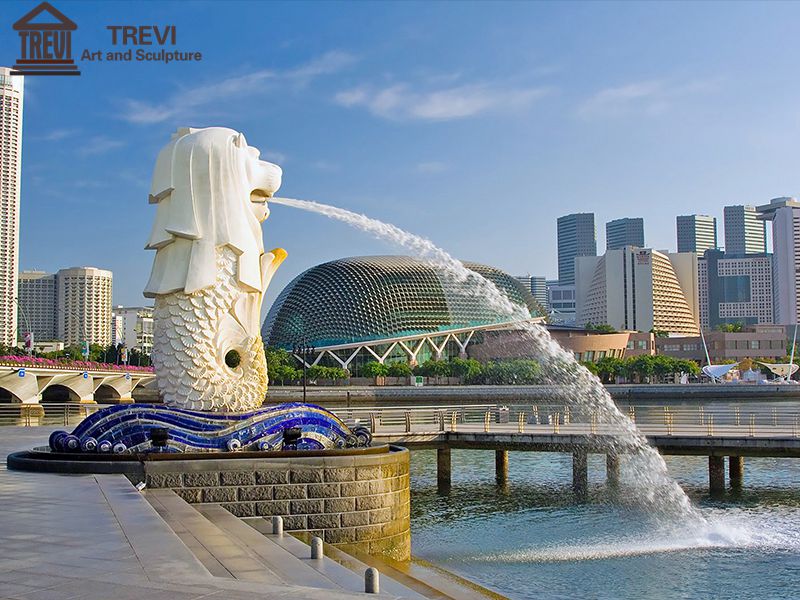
column 474, row 124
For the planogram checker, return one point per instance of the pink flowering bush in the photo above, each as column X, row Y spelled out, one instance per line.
column 65, row 363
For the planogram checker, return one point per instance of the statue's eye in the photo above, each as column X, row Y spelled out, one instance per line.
column 233, row 359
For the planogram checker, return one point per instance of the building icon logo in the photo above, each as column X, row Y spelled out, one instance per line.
column 46, row 47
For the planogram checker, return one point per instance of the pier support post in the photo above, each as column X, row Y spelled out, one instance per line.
column 443, row 469
column 736, row 470
column 501, row 466
column 580, row 473
column 612, row 469
column 716, row 474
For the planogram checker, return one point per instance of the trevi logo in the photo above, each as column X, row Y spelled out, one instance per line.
column 45, row 43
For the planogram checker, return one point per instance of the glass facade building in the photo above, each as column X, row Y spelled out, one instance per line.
column 367, row 298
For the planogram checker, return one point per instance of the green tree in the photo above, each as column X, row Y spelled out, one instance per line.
column 511, row 372
column 277, row 357
column 374, row 369
column 284, row 373
column 730, row 327
column 434, row 368
column 600, row 328
column 590, row 366
column 467, row 368
column 609, row 368
column 399, row 369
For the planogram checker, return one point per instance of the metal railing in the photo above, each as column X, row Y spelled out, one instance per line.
column 66, row 414
column 723, row 420
column 693, row 421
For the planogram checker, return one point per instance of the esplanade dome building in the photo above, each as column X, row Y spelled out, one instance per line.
column 383, row 308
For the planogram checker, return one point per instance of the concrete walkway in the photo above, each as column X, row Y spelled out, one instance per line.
column 96, row 538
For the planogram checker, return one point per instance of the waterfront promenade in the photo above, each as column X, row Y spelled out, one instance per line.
column 95, row 537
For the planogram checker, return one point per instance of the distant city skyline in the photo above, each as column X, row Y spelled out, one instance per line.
column 659, row 124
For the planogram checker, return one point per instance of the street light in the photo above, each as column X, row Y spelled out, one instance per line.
column 303, row 350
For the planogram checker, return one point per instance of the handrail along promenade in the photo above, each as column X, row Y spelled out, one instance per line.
column 718, row 431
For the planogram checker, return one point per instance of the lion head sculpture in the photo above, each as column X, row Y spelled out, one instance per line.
column 211, row 190
column 210, row 270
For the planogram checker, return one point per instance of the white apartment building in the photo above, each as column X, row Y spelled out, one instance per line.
column 133, row 327
column 11, row 101
column 83, row 300
column 638, row 289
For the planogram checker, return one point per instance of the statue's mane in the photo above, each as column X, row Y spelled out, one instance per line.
column 200, row 187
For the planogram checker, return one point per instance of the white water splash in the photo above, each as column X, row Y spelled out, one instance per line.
column 734, row 529
column 649, row 478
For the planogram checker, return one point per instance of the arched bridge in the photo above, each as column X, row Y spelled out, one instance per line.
column 32, row 385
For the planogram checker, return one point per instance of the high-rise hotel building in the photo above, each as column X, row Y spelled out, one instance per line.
column 784, row 213
column 83, row 298
column 11, row 94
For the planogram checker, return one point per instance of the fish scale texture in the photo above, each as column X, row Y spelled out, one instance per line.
column 192, row 333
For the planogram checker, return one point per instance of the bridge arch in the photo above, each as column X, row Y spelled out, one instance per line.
column 8, row 397
column 59, row 393
column 106, row 393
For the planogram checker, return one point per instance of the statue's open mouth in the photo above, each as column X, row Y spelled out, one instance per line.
column 260, row 196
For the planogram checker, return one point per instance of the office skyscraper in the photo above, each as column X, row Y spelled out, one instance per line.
column 625, row 232
column 696, row 233
column 11, row 96
column 576, row 237
column 37, row 305
column 745, row 233
column 785, row 216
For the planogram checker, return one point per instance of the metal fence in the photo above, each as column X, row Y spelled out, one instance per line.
column 746, row 420
column 66, row 414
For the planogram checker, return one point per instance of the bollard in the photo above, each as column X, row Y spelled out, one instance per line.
column 521, row 421
column 487, row 418
column 557, row 423
column 372, row 582
column 277, row 526
column 316, row 548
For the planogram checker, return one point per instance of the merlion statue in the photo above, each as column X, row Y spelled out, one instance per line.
column 210, row 270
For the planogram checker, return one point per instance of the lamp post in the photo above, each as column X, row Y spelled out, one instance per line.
column 303, row 350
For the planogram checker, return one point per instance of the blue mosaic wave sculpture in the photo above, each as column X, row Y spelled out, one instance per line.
column 138, row 427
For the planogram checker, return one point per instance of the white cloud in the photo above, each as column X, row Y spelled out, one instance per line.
column 99, row 144
column 652, row 97
column 190, row 99
column 274, row 156
column 403, row 102
column 431, row 167
column 55, row 135
column 324, row 165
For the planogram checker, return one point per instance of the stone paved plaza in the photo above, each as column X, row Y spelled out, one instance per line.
column 95, row 537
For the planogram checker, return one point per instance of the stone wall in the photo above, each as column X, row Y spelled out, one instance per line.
column 355, row 498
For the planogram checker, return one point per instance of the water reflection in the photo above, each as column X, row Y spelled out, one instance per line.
column 531, row 539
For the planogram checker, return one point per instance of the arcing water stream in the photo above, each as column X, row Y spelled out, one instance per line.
column 648, row 472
